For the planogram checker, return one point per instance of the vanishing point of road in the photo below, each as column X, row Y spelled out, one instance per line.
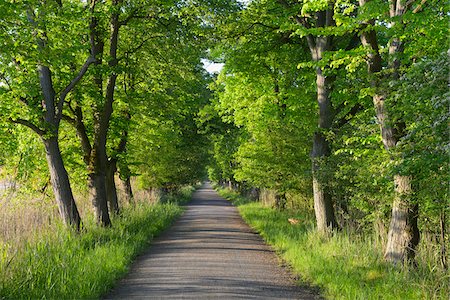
column 209, row 253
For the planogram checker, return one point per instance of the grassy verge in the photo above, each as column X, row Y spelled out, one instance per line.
column 343, row 266
column 66, row 265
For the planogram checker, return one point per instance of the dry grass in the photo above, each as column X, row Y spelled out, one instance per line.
column 21, row 218
column 24, row 216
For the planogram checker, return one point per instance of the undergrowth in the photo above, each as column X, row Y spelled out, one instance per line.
column 65, row 265
column 343, row 266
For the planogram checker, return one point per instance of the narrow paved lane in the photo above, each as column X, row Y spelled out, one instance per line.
column 209, row 253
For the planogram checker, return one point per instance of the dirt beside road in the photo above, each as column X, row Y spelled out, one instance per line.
column 209, row 253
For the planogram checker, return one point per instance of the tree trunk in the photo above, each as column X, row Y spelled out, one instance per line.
column 280, row 201
column 323, row 204
column 111, row 191
column 97, row 191
column 403, row 236
column 97, row 187
column 60, row 184
column 128, row 190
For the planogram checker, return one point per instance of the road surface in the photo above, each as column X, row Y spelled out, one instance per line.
column 209, row 253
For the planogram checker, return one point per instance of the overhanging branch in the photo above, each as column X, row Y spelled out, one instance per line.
column 28, row 124
column 72, row 84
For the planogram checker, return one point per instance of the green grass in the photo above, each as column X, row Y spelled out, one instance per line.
column 181, row 196
column 67, row 265
column 343, row 266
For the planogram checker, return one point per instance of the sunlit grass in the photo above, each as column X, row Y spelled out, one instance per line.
column 65, row 265
column 344, row 266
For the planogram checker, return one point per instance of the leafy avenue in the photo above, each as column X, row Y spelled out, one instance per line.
column 333, row 109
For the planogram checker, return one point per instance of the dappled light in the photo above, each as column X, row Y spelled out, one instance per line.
column 325, row 123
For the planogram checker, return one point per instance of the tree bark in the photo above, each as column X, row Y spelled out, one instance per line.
column 128, row 190
column 323, row 204
column 58, row 173
column 61, row 184
column 111, row 191
column 280, row 201
column 97, row 193
column 403, row 235
column 98, row 162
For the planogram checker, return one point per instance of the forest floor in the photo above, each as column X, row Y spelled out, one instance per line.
column 209, row 253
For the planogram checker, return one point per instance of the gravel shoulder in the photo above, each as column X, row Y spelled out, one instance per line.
column 209, row 253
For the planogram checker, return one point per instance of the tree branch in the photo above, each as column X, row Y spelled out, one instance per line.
column 73, row 83
column 419, row 7
column 303, row 22
column 77, row 123
column 28, row 124
column 348, row 116
column 2, row 76
column 139, row 46
column 69, row 119
column 129, row 17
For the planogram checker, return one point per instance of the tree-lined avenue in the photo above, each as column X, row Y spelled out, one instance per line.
column 209, row 253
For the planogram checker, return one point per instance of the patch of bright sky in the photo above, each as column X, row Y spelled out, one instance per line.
column 211, row 66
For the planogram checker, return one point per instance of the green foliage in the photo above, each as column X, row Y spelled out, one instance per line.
column 422, row 99
column 269, row 102
column 45, row 35
column 23, row 159
column 67, row 265
column 258, row 93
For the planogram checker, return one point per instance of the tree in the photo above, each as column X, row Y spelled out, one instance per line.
column 32, row 35
column 311, row 27
column 403, row 234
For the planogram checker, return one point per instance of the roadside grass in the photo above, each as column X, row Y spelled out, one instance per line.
column 343, row 266
column 60, row 264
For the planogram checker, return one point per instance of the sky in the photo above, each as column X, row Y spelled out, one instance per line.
column 211, row 66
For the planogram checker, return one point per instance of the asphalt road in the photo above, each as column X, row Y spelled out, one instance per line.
column 209, row 253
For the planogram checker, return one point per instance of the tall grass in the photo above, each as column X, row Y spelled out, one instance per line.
column 67, row 265
column 56, row 263
column 343, row 265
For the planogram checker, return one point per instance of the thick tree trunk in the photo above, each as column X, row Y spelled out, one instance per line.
column 323, row 204
column 111, row 191
column 97, row 191
column 280, row 201
column 128, row 190
column 403, row 236
column 97, row 187
column 60, row 184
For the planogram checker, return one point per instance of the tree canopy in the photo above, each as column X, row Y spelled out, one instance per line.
column 344, row 102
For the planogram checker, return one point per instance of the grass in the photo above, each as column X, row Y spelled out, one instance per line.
column 60, row 264
column 343, row 266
